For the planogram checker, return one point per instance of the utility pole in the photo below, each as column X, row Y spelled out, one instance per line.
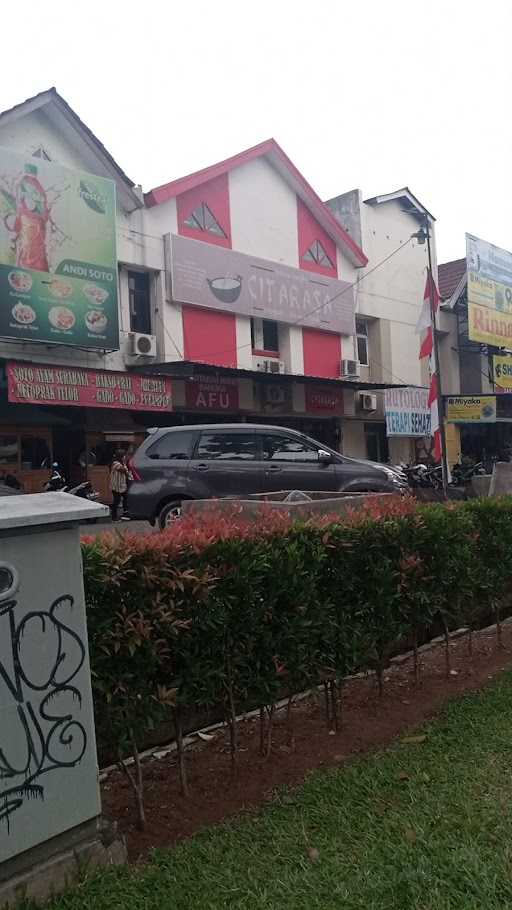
column 437, row 366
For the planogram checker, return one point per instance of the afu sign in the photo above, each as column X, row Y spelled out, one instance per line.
column 407, row 412
column 212, row 393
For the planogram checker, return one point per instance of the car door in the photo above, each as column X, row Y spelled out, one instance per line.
column 292, row 463
column 224, row 464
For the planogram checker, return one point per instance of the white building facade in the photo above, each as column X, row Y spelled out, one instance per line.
column 239, row 286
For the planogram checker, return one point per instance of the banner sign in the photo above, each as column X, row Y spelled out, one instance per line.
column 212, row 393
column 40, row 384
column 489, row 293
column 489, row 327
column 58, row 263
column 320, row 398
column 206, row 275
column 471, row 409
column 407, row 412
column 502, row 373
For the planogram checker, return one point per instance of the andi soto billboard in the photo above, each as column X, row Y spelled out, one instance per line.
column 58, row 264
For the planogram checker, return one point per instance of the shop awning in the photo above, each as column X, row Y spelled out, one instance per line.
column 188, row 369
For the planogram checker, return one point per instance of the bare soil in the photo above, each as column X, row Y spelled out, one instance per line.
column 368, row 722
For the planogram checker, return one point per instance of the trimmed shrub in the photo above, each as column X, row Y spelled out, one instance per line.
column 231, row 614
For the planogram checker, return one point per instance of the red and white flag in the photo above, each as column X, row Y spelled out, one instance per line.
column 425, row 329
column 424, row 324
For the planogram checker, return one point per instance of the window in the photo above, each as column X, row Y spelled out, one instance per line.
column 226, row 447
column 140, row 302
column 176, row 446
column 286, row 448
column 362, row 342
column 35, row 453
column 265, row 335
column 317, row 254
column 202, row 219
column 9, row 451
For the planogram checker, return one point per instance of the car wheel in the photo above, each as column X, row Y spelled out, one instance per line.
column 169, row 514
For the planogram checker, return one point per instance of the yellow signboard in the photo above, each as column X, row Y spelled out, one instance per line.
column 489, row 293
column 471, row 409
column 502, row 372
column 489, row 326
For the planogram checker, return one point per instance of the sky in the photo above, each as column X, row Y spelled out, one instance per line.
column 374, row 94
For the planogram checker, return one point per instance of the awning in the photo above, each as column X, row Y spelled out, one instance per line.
column 188, row 369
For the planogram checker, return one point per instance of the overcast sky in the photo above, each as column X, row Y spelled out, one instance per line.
column 369, row 94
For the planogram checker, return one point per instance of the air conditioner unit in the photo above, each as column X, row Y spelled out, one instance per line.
column 141, row 345
column 368, row 402
column 350, row 369
column 270, row 366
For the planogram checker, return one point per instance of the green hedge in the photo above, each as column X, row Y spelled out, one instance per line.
column 237, row 615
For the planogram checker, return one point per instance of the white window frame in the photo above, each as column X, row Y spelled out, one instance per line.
column 363, row 336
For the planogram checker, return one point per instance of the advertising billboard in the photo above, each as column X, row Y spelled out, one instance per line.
column 471, row 409
column 502, row 373
column 407, row 412
column 489, row 293
column 210, row 276
column 58, row 264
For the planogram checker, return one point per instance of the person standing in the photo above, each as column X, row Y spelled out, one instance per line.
column 118, row 485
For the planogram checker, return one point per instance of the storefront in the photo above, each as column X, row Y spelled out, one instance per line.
column 77, row 417
column 320, row 408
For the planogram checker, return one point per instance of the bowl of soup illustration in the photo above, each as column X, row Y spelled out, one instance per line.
column 225, row 289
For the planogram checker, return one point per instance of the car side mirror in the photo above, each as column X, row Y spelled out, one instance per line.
column 324, row 457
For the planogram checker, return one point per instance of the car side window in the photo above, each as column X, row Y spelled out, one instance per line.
column 287, row 448
column 226, row 447
column 175, row 446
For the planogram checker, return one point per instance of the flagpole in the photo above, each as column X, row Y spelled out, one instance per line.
column 437, row 366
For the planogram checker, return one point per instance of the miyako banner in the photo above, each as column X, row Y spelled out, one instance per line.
column 489, row 293
column 58, row 264
column 407, row 412
column 471, row 409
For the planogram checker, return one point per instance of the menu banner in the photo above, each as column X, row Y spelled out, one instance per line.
column 29, row 383
column 58, row 263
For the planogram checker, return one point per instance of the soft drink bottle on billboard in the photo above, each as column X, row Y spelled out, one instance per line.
column 30, row 222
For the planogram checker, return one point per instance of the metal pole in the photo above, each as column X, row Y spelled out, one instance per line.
column 437, row 368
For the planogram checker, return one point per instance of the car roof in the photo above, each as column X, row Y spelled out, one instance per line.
column 223, row 426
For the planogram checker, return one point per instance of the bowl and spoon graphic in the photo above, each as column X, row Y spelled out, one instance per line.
column 226, row 290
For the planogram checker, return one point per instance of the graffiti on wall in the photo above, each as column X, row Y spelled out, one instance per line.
column 40, row 659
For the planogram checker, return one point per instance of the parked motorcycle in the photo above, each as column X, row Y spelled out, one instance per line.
column 57, row 483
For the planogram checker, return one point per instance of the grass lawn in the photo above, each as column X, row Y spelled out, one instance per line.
column 423, row 826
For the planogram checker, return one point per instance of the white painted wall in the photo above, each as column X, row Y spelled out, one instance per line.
column 263, row 213
column 394, row 291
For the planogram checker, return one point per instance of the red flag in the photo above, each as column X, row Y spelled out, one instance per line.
column 433, row 394
column 424, row 323
column 427, row 344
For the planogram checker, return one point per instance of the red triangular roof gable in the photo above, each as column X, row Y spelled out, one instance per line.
column 272, row 150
